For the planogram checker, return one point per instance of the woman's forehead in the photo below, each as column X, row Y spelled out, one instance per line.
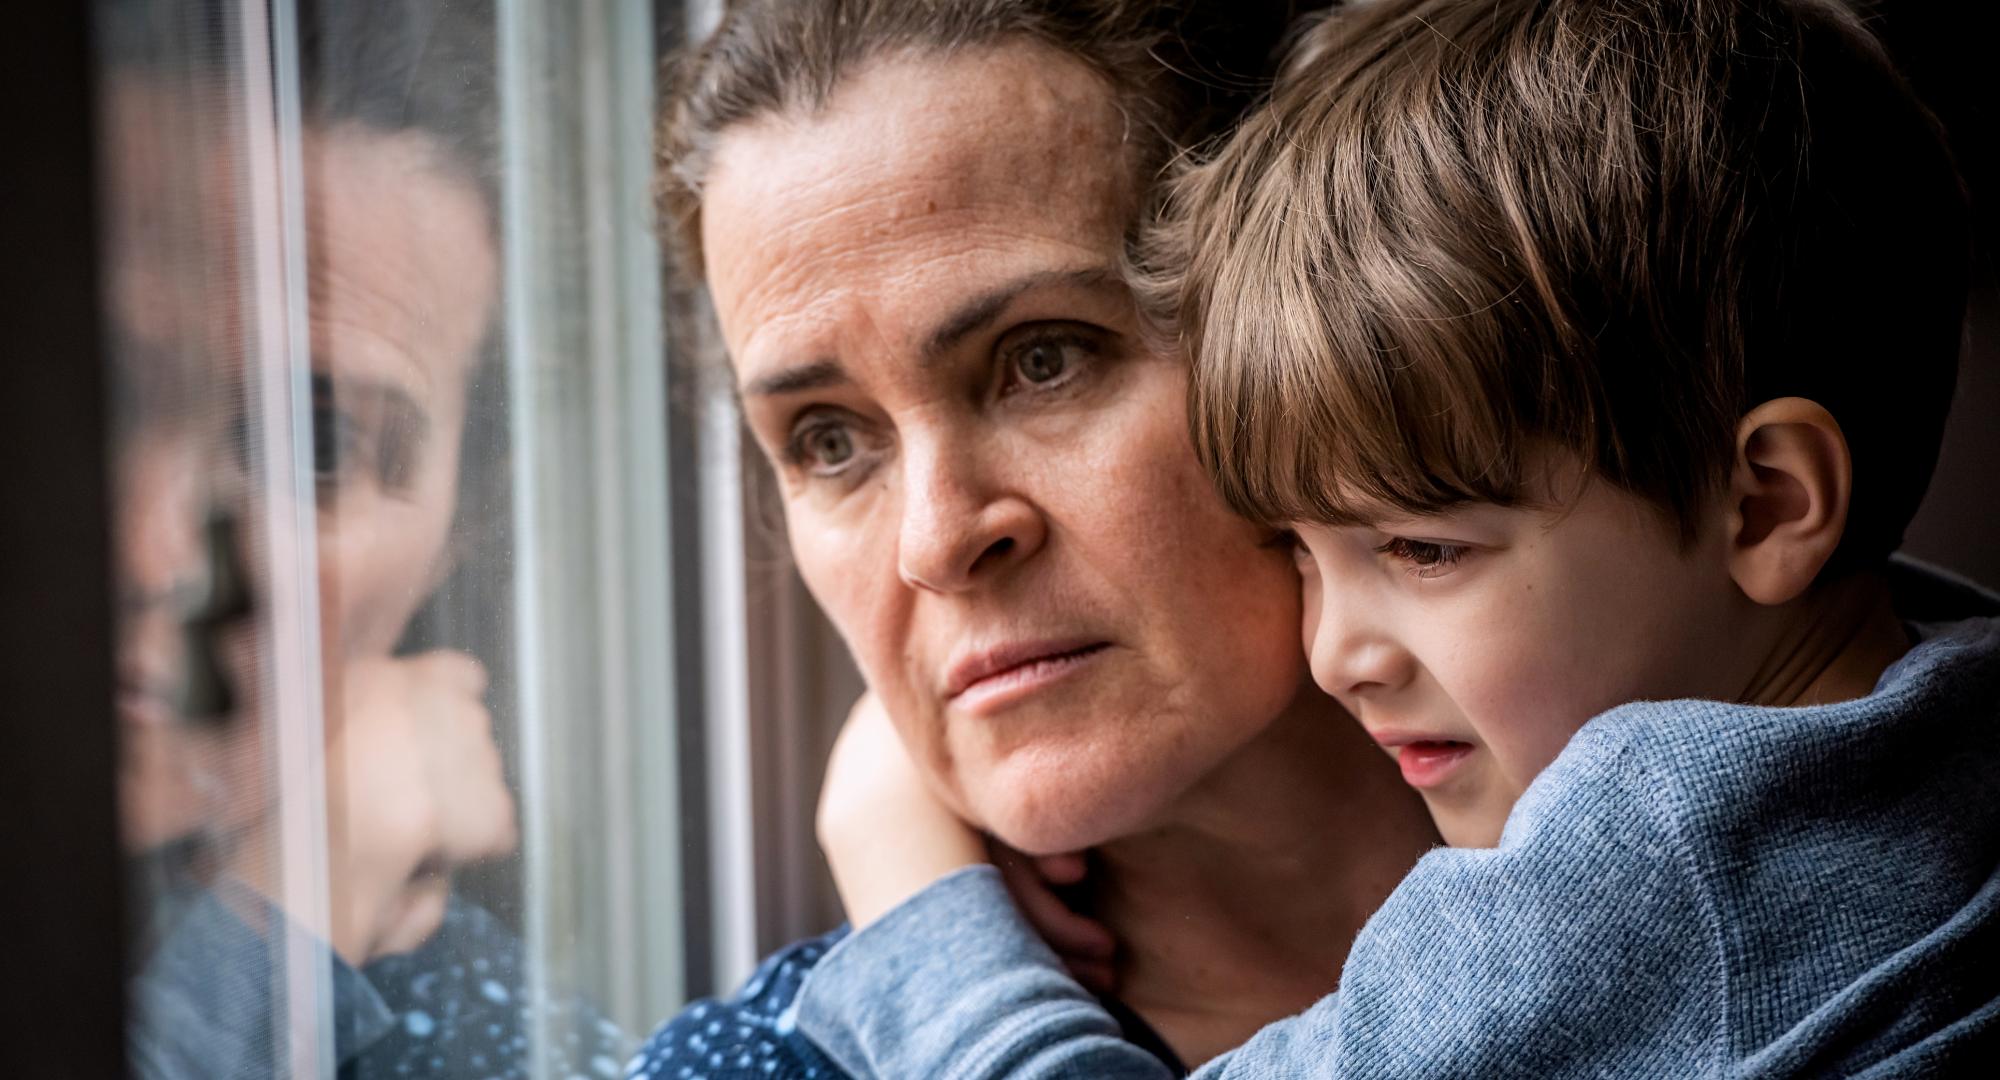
column 923, row 179
column 1015, row 139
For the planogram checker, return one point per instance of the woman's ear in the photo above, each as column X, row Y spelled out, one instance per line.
column 1788, row 496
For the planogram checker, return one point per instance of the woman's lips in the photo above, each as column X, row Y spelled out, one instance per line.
column 988, row 680
column 1426, row 760
column 144, row 707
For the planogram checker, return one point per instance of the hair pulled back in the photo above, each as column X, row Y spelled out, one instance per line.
column 1181, row 70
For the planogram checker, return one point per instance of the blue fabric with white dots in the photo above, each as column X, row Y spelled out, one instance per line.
column 208, row 1007
column 463, row 1010
column 752, row 1036
column 755, row 1035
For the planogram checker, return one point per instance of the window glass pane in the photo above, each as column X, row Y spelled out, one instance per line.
column 224, row 823
column 401, row 757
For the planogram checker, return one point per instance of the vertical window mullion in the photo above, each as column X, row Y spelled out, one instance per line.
column 280, row 401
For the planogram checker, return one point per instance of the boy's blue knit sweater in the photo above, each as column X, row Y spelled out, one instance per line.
column 1693, row 888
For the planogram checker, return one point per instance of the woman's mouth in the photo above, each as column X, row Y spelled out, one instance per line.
column 987, row 681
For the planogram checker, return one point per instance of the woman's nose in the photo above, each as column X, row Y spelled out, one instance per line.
column 158, row 522
column 959, row 531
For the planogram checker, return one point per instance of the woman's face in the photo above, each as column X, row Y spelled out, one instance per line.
column 986, row 472
column 402, row 279
column 402, row 287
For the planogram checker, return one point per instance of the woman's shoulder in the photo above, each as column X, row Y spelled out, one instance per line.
column 749, row 1036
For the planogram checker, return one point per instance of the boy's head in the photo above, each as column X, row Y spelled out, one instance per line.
column 1584, row 342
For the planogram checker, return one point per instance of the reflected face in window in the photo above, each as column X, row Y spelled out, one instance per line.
column 987, row 477
column 403, row 274
column 179, row 328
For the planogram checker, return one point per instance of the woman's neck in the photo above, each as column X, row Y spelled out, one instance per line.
column 1239, row 907
column 1832, row 645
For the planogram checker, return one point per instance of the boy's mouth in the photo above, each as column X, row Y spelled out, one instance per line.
column 1430, row 762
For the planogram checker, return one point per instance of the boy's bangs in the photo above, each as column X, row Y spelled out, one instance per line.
column 1293, row 432
column 1358, row 354
column 1342, row 385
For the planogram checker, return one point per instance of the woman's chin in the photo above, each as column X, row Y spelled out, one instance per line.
column 1045, row 818
column 1073, row 790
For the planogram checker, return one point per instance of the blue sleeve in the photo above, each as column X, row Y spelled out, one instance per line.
column 204, row 1006
column 1582, row 946
column 953, row 982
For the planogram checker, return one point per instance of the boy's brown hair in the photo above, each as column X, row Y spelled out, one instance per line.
column 1461, row 230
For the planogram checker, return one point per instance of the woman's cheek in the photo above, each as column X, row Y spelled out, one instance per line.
column 379, row 561
column 850, row 573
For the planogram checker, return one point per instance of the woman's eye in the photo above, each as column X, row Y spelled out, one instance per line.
column 1046, row 356
column 337, row 438
column 1425, row 558
column 830, row 445
column 1041, row 362
column 336, row 445
column 824, row 448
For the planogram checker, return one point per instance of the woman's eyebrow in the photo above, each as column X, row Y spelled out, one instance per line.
column 816, row 375
column 971, row 317
column 979, row 312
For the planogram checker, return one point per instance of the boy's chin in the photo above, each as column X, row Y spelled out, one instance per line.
column 1463, row 823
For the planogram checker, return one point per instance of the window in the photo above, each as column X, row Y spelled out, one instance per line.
column 442, row 601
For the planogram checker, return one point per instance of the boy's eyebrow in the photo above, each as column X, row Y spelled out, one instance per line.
column 816, row 375
column 978, row 313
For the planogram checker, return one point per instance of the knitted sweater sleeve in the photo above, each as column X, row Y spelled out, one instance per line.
column 1582, row 945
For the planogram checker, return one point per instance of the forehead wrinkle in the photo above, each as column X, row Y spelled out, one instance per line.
column 833, row 322
column 925, row 133
column 843, row 222
column 401, row 274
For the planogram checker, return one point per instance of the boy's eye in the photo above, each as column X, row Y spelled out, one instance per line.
column 1426, row 558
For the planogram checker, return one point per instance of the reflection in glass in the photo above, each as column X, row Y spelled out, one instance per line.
column 379, row 919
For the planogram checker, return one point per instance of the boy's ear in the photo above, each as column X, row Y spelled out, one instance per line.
column 1788, row 496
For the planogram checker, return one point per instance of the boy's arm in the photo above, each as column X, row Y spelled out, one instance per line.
column 1580, row 946
column 934, row 929
column 885, row 834
column 955, row 983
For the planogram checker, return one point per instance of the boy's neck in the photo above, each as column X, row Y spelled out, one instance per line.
column 1239, row 907
column 1831, row 645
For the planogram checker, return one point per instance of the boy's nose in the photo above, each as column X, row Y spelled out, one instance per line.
column 1350, row 655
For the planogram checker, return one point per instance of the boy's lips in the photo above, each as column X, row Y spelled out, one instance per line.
column 1425, row 760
